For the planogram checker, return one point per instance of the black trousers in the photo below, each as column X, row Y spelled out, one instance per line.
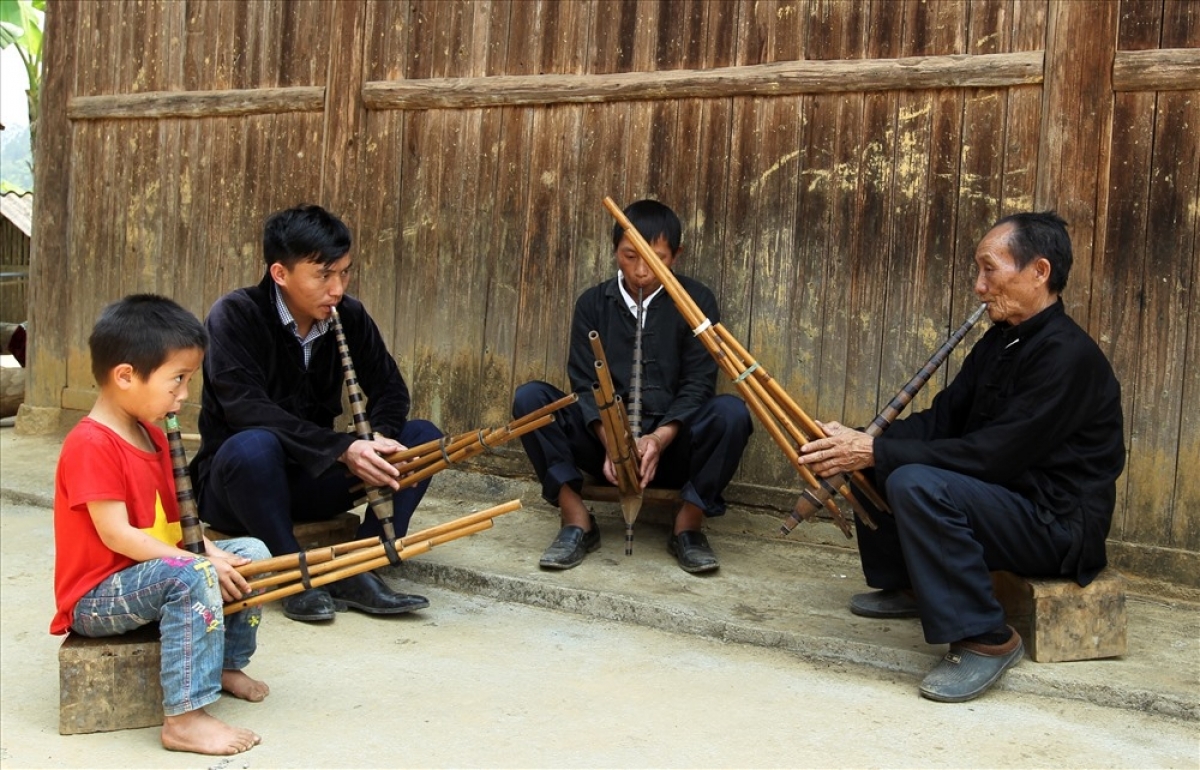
column 700, row 461
column 947, row 532
column 254, row 489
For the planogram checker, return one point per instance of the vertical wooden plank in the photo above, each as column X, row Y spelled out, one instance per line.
column 1169, row 283
column 381, row 253
column 1181, row 29
column 831, row 231
column 872, row 276
column 51, row 248
column 1077, row 119
column 781, row 290
column 1119, row 267
column 345, row 115
column 925, row 175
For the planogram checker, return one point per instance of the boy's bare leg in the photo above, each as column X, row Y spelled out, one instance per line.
column 239, row 685
column 200, row 732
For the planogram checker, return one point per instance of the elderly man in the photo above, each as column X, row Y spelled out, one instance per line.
column 1013, row 467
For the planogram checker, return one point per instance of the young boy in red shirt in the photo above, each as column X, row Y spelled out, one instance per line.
column 118, row 560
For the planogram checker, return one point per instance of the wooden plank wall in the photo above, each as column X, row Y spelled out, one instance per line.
column 835, row 220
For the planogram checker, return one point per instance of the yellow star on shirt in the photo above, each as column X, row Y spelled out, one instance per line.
column 169, row 532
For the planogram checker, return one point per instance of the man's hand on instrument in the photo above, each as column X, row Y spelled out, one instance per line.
column 364, row 460
column 650, row 449
column 842, row 451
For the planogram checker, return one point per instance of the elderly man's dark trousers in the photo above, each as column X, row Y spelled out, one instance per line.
column 700, row 461
column 947, row 532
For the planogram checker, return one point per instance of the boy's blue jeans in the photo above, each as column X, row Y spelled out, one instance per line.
column 184, row 597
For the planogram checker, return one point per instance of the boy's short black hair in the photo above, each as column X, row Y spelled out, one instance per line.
column 1041, row 234
column 302, row 233
column 653, row 220
column 142, row 330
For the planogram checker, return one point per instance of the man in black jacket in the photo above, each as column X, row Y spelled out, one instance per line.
column 1013, row 467
column 690, row 438
column 273, row 385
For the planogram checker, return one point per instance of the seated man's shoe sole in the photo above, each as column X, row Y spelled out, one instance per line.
column 570, row 546
column 309, row 606
column 692, row 551
column 366, row 592
column 969, row 669
column 884, row 604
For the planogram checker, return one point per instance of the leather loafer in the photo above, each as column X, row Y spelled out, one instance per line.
column 884, row 604
column 692, row 551
column 970, row 668
column 570, row 546
column 366, row 592
column 310, row 605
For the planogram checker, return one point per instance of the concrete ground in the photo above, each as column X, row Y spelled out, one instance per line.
column 621, row 662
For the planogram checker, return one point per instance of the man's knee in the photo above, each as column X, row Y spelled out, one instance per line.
column 249, row 450
column 728, row 415
column 530, row 397
column 420, row 431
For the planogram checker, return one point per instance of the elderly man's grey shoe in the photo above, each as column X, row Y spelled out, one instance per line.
column 884, row 604
column 970, row 668
column 571, row 545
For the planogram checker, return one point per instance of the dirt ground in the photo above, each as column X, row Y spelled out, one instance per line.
column 520, row 668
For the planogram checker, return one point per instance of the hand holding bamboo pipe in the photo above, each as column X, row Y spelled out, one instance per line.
column 379, row 499
column 420, row 462
column 297, row 572
column 620, row 443
column 811, row 500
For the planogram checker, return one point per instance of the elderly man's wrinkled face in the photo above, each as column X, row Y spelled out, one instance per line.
column 1012, row 294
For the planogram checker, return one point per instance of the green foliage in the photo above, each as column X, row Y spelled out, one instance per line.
column 21, row 27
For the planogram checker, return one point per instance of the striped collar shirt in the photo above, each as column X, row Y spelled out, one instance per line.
column 314, row 333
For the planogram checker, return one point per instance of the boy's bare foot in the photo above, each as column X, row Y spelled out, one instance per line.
column 237, row 684
column 200, row 732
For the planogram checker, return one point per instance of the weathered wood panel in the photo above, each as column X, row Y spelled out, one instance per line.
column 834, row 163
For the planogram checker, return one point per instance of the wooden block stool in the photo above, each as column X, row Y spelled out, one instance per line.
column 1060, row 621
column 109, row 683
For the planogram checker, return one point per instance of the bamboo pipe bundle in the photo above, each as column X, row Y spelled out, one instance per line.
column 379, row 499
column 327, row 565
column 811, row 500
column 784, row 420
column 620, row 443
column 189, row 516
column 424, row 460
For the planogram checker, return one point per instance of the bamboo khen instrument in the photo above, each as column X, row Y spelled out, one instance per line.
column 811, row 500
column 379, row 499
column 785, row 421
column 619, row 441
column 189, row 517
column 424, row 460
column 293, row 573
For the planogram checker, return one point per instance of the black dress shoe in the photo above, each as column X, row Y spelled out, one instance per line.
column 692, row 551
column 571, row 545
column 368, row 593
column 309, row 605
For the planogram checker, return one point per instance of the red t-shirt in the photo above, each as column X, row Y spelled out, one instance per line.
column 96, row 464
